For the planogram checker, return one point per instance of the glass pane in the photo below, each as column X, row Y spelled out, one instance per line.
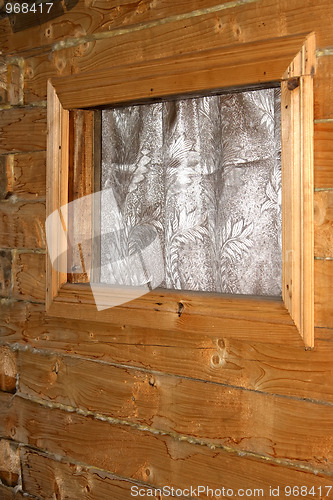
column 197, row 182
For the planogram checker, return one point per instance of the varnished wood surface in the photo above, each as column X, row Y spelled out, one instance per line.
column 173, row 404
column 323, row 293
column 22, row 130
column 323, row 88
column 111, row 444
column 274, row 369
column 10, row 467
column 8, row 369
column 29, row 175
column 323, row 154
column 323, row 216
column 204, row 70
column 22, row 225
column 41, row 474
column 29, row 276
column 5, row 272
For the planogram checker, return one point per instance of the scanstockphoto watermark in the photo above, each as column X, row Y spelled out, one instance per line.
column 224, row 492
column 196, row 492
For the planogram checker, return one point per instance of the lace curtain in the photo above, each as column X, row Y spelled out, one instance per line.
column 199, row 180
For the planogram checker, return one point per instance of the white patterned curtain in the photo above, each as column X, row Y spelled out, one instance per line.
column 203, row 177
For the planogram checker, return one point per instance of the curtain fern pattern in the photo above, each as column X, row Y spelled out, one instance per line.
column 203, row 177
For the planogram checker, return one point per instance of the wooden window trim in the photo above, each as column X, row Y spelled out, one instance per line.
column 290, row 60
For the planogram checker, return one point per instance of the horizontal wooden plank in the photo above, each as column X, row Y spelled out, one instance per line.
column 170, row 404
column 8, row 369
column 323, row 155
column 323, row 89
column 231, row 21
column 323, row 218
column 29, row 276
column 29, row 175
column 323, row 293
column 5, row 272
column 210, row 69
column 22, row 130
column 22, row 225
column 275, row 369
column 81, row 19
column 10, row 466
column 5, row 178
column 238, row 25
column 44, row 477
column 240, row 317
column 164, row 459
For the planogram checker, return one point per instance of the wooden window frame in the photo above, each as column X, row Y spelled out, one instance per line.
column 289, row 60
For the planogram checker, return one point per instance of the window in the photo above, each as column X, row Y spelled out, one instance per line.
column 289, row 60
column 201, row 178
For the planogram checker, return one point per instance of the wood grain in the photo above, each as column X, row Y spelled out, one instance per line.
column 199, row 71
column 57, row 190
column 5, row 272
column 5, row 178
column 162, row 401
column 238, row 25
column 29, row 175
column 22, row 130
column 11, row 494
column 323, row 155
column 323, row 293
column 274, row 369
column 323, row 218
column 29, row 276
column 247, row 318
column 10, row 467
column 80, row 183
column 43, row 476
column 101, row 16
column 8, row 369
column 153, row 455
column 22, row 225
column 323, row 89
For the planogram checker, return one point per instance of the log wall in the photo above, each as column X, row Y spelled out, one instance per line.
column 86, row 412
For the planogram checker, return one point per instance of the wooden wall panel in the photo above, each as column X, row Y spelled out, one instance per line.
column 10, row 466
column 115, row 448
column 22, row 130
column 8, row 369
column 29, row 175
column 29, row 276
column 101, row 17
column 323, row 155
column 5, row 178
column 22, row 225
column 323, row 88
column 42, row 476
column 257, row 366
column 5, row 272
column 233, row 26
column 323, row 293
column 176, row 405
column 238, row 22
column 323, row 217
